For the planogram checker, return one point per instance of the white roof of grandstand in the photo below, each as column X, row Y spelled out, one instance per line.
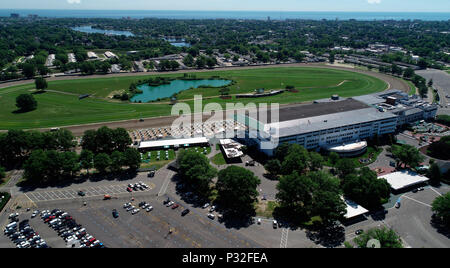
column 353, row 209
column 173, row 142
column 323, row 122
column 402, row 179
column 348, row 147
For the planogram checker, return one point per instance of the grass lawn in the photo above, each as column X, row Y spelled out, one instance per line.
column 218, row 159
column 61, row 106
column 412, row 87
column 265, row 209
column 4, row 198
column 370, row 150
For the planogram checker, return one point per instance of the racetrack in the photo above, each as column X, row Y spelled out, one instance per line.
column 166, row 120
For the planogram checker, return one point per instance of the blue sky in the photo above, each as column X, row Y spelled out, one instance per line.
column 247, row 5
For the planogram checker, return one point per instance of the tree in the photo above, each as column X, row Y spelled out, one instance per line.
column 281, row 151
column 131, row 158
column 69, row 164
column 29, row 70
column 188, row 60
column 296, row 160
column 236, row 189
column 273, row 166
column 294, row 195
column 102, row 161
column 407, row 154
column 116, row 161
column 408, row 73
column 2, row 173
column 327, row 198
column 441, row 207
column 86, row 160
column 334, row 158
column 195, row 170
column 26, row 102
column 345, row 166
column 312, row 194
column 35, row 167
column 316, row 161
column 40, row 83
column 434, row 174
column 387, row 238
column 440, row 149
column 365, row 188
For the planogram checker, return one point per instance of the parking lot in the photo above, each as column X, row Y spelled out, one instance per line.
column 412, row 221
column 148, row 229
column 72, row 193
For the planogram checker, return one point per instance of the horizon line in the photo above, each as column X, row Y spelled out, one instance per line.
column 284, row 11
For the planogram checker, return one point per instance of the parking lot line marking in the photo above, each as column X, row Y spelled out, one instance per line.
column 30, row 199
column 435, row 191
column 284, row 238
column 32, row 196
column 165, row 184
column 417, row 201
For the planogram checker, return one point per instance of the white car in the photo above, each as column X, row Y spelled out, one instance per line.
column 212, row 209
column 126, row 205
column 211, row 216
column 275, row 224
column 135, row 211
column 206, row 205
column 170, row 204
column 258, row 220
column 130, row 208
column 150, row 208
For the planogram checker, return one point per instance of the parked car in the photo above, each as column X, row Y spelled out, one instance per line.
column 151, row 174
column 175, row 206
column 205, row 205
column 258, row 220
column 150, row 208
column 359, row 231
column 185, row 212
column 115, row 213
column 81, row 193
column 129, row 189
column 211, row 216
column 275, row 224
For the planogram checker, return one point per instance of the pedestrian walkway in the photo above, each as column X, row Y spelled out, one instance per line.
column 72, row 193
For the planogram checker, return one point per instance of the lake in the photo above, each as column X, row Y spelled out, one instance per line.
column 89, row 29
column 165, row 91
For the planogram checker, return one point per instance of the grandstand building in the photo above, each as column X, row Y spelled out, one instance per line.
column 336, row 124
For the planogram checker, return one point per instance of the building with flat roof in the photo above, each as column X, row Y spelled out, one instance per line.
column 341, row 124
column 231, row 148
column 172, row 143
column 353, row 209
column 404, row 179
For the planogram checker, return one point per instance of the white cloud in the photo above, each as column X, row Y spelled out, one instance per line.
column 74, row 1
column 374, row 2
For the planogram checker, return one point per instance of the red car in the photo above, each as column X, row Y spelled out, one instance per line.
column 129, row 189
column 175, row 206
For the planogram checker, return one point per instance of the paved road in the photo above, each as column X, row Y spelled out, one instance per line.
column 441, row 81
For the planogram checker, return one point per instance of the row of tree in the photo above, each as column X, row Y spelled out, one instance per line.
column 17, row 145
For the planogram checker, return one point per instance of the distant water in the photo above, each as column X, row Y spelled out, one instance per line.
column 255, row 15
column 89, row 29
